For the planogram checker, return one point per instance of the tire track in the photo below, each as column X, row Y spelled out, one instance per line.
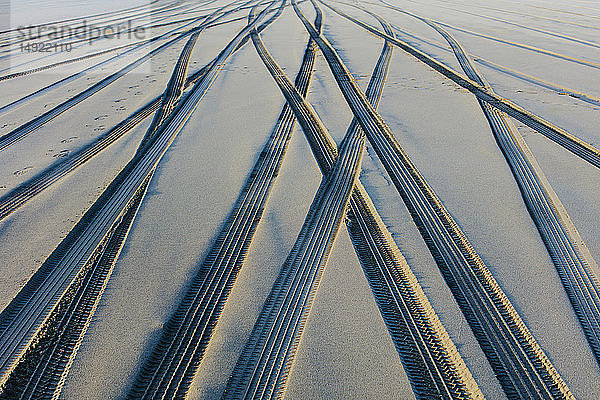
column 63, row 37
column 46, row 178
column 109, row 79
column 29, row 189
column 524, row 46
column 88, row 56
column 561, row 90
column 70, row 61
column 540, row 82
column 516, row 44
column 571, row 12
column 146, row 26
column 11, row 54
column 174, row 362
column 431, row 360
column 262, row 368
column 519, row 363
column 527, row 27
column 43, row 369
column 572, row 259
column 26, row 315
column 546, row 18
column 4, row 32
column 538, row 30
column 25, row 129
column 174, row 90
column 517, row 74
column 567, row 140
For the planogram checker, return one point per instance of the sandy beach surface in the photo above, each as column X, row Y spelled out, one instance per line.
column 540, row 55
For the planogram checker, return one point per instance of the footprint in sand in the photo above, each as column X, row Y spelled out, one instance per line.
column 22, row 171
column 62, row 154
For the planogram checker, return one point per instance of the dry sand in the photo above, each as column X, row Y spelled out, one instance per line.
column 346, row 351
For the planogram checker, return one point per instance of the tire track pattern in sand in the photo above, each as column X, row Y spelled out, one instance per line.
column 44, row 90
column 574, row 263
column 171, row 9
column 567, row 140
column 88, row 56
column 527, row 47
column 42, row 371
column 70, row 61
column 46, row 178
column 431, row 360
column 32, row 125
column 75, row 44
column 561, row 90
column 173, row 362
column 526, row 27
column 175, row 88
column 86, row 17
column 23, row 318
column 520, row 364
column 512, row 12
column 262, row 368
column 141, row 45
